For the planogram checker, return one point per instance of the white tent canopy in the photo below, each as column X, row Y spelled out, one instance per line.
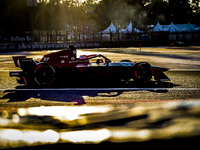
column 130, row 29
column 197, row 29
column 172, row 28
column 111, row 28
column 157, row 28
column 175, row 27
column 188, row 27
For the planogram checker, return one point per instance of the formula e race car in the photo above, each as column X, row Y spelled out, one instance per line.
column 64, row 67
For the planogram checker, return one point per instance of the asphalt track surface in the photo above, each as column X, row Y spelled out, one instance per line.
column 184, row 65
column 144, row 113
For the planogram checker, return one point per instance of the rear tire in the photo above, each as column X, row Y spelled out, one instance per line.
column 44, row 74
column 142, row 73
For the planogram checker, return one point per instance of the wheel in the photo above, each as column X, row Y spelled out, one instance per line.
column 143, row 72
column 44, row 74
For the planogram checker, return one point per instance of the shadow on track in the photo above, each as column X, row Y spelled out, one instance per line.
column 76, row 92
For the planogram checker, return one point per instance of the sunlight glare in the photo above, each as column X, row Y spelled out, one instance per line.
column 65, row 113
column 86, row 136
column 15, row 136
column 131, row 135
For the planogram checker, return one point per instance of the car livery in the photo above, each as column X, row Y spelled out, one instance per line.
column 63, row 67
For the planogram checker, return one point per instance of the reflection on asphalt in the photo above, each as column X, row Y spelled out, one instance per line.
column 99, row 124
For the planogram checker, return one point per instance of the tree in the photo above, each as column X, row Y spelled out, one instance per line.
column 16, row 17
column 179, row 11
column 195, row 6
column 157, row 11
column 120, row 12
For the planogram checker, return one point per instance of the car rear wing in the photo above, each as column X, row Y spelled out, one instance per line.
column 16, row 60
column 26, row 64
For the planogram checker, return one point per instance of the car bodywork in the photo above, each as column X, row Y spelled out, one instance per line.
column 64, row 66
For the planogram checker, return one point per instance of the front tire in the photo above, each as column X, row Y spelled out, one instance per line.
column 143, row 73
column 44, row 74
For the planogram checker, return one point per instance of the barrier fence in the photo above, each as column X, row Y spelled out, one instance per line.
column 46, row 40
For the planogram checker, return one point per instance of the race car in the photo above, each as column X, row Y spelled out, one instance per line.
column 64, row 67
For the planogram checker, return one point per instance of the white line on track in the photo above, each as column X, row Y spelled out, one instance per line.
column 105, row 89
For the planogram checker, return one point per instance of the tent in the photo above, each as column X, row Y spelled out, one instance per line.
column 111, row 28
column 188, row 28
column 172, row 28
column 130, row 29
column 157, row 28
column 197, row 29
